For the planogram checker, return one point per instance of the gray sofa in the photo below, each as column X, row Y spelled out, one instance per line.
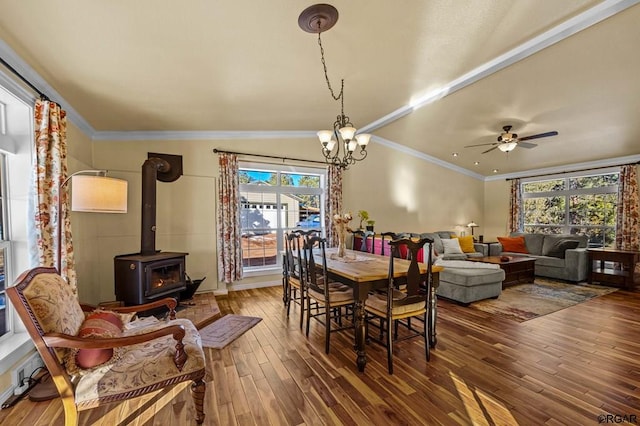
column 553, row 260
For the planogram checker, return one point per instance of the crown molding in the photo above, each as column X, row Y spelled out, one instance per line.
column 12, row 58
column 609, row 162
column 202, row 135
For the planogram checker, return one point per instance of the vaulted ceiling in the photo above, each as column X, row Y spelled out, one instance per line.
column 428, row 77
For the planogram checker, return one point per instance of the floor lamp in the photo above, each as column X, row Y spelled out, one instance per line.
column 91, row 191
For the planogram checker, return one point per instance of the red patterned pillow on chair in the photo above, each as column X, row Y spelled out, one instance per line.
column 98, row 324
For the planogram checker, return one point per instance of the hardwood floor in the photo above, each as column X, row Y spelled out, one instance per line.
column 568, row 367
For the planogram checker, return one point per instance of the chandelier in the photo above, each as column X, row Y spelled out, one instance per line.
column 339, row 145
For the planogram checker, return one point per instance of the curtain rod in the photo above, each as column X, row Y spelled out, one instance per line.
column 219, row 151
column 27, row 82
column 573, row 171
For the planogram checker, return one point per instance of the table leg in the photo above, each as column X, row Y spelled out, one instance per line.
column 359, row 313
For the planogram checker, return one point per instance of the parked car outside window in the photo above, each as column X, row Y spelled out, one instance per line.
column 313, row 221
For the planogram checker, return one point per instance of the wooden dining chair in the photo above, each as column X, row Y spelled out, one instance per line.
column 330, row 297
column 394, row 305
column 385, row 237
column 364, row 238
column 292, row 272
column 96, row 357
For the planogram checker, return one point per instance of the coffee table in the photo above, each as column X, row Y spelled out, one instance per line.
column 517, row 270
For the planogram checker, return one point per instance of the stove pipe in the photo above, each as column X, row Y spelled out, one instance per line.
column 150, row 170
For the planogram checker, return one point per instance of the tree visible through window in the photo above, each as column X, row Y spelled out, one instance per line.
column 574, row 205
column 276, row 199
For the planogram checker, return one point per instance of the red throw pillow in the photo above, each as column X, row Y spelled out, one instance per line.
column 513, row 244
column 98, row 324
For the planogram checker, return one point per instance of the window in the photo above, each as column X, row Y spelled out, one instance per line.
column 575, row 204
column 273, row 200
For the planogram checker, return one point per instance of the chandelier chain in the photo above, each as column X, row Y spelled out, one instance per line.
column 326, row 75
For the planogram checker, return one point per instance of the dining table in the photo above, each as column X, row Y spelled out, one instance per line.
column 365, row 272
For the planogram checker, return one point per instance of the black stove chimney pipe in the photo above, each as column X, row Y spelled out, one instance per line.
column 150, row 170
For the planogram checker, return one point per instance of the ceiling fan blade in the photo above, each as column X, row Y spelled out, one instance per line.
column 540, row 135
column 483, row 144
column 527, row 145
column 489, row 150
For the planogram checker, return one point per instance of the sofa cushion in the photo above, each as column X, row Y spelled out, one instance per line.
column 554, row 262
column 556, row 247
column 513, row 244
column 532, row 241
column 452, row 246
column 445, row 234
column 466, row 244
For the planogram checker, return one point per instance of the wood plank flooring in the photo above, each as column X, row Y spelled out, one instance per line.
column 568, row 367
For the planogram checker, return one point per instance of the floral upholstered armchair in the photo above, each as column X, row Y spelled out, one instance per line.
column 97, row 357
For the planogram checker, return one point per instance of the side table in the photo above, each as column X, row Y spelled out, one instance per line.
column 619, row 277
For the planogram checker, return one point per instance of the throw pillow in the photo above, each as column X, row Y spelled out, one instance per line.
column 98, row 324
column 451, row 246
column 513, row 244
column 559, row 247
column 466, row 244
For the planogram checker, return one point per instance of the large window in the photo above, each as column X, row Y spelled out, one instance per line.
column 576, row 204
column 275, row 199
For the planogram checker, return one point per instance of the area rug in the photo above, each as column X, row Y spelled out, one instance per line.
column 225, row 330
column 527, row 301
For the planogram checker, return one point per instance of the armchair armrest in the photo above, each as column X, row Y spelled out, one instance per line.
column 60, row 340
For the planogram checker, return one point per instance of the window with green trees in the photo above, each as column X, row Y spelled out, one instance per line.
column 273, row 200
column 575, row 204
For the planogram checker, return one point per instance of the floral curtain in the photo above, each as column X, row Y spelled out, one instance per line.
column 333, row 203
column 515, row 207
column 229, row 248
column 628, row 222
column 50, row 171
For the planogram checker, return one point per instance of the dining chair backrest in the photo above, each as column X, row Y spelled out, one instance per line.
column 293, row 244
column 384, row 238
column 315, row 275
column 364, row 238
column 414, row 280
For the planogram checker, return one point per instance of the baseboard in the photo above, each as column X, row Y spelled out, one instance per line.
column 248, row 286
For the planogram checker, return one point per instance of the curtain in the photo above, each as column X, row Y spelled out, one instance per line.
column 50, row 171
column 628, row 222
column 333, row 203
column 515, row 207
column 229, row 248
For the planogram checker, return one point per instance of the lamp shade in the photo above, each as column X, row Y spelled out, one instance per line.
column 472, row 224
column 98, row 194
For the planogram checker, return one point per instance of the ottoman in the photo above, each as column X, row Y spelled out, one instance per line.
column 469, row 285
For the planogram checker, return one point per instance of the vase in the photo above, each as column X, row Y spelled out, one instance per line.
column 342, row 241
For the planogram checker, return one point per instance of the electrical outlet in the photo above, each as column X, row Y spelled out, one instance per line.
column 24, row 370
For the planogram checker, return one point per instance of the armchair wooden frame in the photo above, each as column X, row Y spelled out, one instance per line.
column 47, row 342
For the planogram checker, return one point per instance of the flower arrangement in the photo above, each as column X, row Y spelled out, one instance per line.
column 341, row 221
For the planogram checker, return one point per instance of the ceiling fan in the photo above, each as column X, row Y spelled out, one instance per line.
column 508, row 141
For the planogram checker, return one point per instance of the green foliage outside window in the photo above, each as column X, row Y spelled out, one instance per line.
column 576, row 205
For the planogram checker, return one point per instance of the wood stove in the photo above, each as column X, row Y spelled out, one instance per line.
column 141, row 279
column 151, row 274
